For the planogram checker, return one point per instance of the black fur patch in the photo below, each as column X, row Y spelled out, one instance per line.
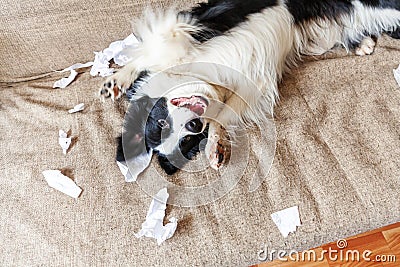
column 394, row 34
column 189, row 148
column 134, row 140
column 395, row 4
column 221, row 16
column 304, row 11
column 131, row 91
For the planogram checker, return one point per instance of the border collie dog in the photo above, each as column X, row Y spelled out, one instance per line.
column 205, row 72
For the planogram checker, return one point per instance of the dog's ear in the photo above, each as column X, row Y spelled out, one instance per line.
column 135, row 165
column 132, row 149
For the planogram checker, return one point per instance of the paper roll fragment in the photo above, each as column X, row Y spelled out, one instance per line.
column 64, row 141
column 77, row 108
column 287, row 220
column 64, row 82
column 153, row 226
column 62, row 183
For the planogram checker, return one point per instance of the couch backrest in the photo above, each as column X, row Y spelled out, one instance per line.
column 37, row 37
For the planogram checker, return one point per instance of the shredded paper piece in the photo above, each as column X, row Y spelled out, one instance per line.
column 77, row 108
column 132, row 168
column 153, row 226
column 119, row 51
column 125, row 171
column 64, row 82
column 396, row 74
column 64, row 141
column 62, row 183
column 287, row 220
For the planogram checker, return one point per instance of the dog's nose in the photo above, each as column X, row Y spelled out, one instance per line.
column 195, row 125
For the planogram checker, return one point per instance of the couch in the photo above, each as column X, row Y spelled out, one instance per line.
column 337, row 152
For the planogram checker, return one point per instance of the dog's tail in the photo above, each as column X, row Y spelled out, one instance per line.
column 166, row 37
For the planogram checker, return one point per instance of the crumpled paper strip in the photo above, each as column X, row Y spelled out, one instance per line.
column 125, row 172
column 114, row 51
column 77, row 108
column 153, row 225
column 133, row 167
column 119, row 51
column 64, row 82
column 287, row 220
column 64, row 141
column 62, row 183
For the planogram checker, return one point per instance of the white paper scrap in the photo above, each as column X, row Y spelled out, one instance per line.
column 396, row 74
column 118, row 50
column 64, row 82
column 133, row 167
column 125, row 171
column 123, row 56
column 64, row 141
column 153, row 226
column 101, row 66
column 287, row 220
column 77, row 108
column 62, row 183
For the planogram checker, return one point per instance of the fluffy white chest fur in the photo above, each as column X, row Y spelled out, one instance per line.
column 230, row 77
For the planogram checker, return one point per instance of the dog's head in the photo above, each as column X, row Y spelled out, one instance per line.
column 171, row 126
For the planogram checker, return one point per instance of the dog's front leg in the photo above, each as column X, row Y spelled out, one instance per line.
column 218, row 145
column 117, row 84
column 224, row 120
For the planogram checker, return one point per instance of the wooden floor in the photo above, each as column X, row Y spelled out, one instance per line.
column 381, row 247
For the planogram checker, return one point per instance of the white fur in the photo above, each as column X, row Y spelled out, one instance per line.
column 249, row 60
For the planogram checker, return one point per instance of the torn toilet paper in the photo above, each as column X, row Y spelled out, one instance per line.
column 77, row 108
column 396, row 74
column 287, row 220
column 153, row 226
column 132, row 168
column 64, row 82
column 119, row 51
column 64, row 141
column 62, row 183
column 125, row 171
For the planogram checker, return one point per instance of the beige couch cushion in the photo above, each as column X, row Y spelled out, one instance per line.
column 337, row 158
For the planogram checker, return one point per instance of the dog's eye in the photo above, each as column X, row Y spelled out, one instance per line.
column 195, row 126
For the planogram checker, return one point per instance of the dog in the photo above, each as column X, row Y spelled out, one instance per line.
column 200, row 74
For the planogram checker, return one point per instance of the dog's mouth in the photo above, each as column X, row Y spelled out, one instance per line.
column 196, row 104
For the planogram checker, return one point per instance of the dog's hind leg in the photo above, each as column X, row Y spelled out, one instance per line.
column 218, row 146
column 366, row 22
column 366, row 47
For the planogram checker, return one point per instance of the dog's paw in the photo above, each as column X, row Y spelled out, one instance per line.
column 116, row 85
column 217, row 148
column 366, row 47
column 110, row 89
